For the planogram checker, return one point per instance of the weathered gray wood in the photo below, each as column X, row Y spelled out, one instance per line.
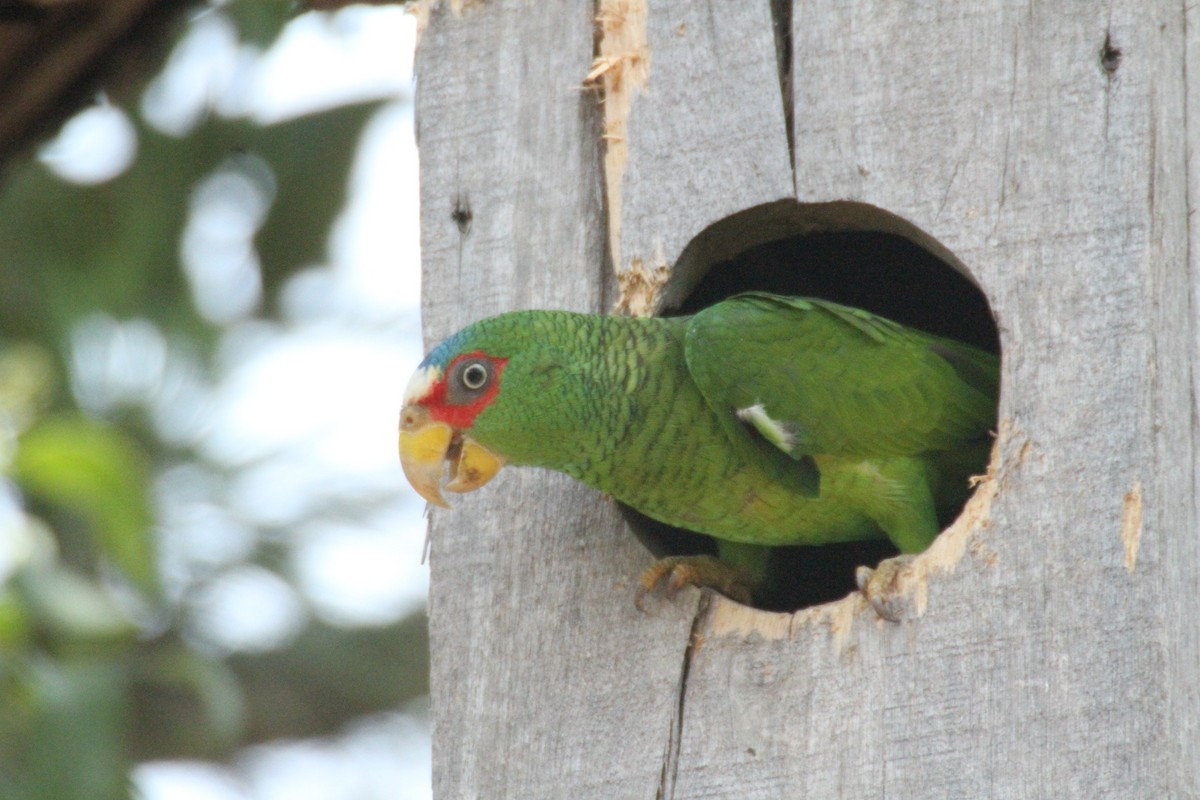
column 703, row 136
column 1053, row 646
column 1180, row 614
column 1054, row 657
column 546, row 681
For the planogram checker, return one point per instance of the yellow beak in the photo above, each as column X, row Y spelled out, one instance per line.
column 425, row 448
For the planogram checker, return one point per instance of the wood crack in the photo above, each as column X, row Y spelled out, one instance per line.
column 619, row 70
column 781, row 16
column 1110, row 59
column 670, row 767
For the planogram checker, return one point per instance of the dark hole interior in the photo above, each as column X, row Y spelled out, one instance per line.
column 881, row 272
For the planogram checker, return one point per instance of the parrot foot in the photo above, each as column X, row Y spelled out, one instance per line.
column 669, row 575
column 887, row 587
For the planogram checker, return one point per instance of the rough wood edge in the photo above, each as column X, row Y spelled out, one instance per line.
column 1131, row 524
column 641, row 287
column 911, row 583
column 421, row 9
column 620, row 70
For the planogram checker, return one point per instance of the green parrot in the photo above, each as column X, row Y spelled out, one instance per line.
column 761, row 421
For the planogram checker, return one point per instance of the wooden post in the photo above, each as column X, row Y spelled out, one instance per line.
column 1051, row 645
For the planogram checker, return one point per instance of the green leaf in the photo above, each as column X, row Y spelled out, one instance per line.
column 260, row 21
column 185, row 704
column 14, row 623
column 27, row 382
column 72, row 611
column 311, row 157
column 61, row 731
column 100, row 474
column 69, row 250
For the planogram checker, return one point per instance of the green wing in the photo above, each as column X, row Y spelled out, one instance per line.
column 812, row 377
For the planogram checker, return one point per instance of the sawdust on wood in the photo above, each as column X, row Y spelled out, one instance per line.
column 641, row 287
column 1131, row 524
column 620, row 70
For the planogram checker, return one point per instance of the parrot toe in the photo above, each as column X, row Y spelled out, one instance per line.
column 888, row 588
column 669, row 575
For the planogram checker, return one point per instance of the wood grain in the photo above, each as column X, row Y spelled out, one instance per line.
column 1042, row 147
column 1040, row 664
column 546, row 682
column 705, row 139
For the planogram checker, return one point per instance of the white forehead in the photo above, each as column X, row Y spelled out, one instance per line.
column 421, row 382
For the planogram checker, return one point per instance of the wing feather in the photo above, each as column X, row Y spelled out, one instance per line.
column 854, row 383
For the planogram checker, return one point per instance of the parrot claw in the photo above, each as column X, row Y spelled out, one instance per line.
column 887, row 588
column 669, row 575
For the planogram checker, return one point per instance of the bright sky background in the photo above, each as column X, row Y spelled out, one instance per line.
column 350, row 337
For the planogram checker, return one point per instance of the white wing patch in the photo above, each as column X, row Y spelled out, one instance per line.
column 780, row 434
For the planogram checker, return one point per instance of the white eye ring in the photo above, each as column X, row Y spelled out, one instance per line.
column 475, row 376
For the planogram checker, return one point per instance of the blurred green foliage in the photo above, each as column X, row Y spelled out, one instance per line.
column 97, row 474
column 95, row 670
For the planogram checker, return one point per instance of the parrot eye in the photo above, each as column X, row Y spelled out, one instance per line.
column 471, row 378
column 474, row 375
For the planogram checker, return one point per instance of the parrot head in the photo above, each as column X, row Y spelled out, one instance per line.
column 445, row 395
column 526, row 388
column 502, row 390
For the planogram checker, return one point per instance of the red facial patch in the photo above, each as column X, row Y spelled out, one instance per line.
column 462, row 415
